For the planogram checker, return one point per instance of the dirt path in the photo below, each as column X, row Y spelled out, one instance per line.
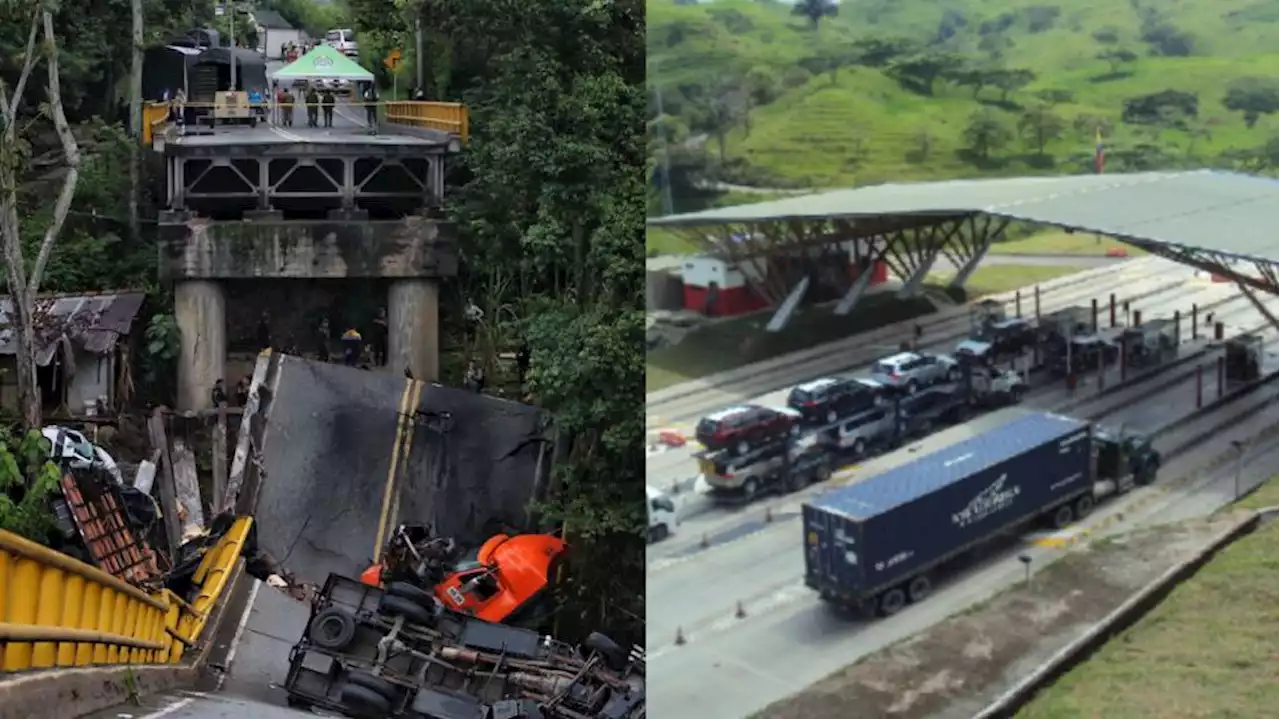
column 956, row 667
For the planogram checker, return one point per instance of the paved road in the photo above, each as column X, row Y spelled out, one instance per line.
column 731, row 667
column 790, row 640
column 676, row 467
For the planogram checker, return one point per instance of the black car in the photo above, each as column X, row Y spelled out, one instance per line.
column 1086, row 353
column 826, row 400
column 998, row 341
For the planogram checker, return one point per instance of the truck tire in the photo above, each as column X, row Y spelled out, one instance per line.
column 658, row 533
column 750, row 488
column 332, row 629
column 374, row 683
column 1084, row 506
column 606, row 648
column 417, row 595
column 399, row 606
column 859, row 447
column 364, row 702
column 1062, row 517
column 891, row 601
column 1015, row 394
column 919, row 588
column 796, row 481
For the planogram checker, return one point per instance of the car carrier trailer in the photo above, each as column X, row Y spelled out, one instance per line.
column 880, row 543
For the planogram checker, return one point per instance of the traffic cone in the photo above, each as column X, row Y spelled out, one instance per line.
column 704, row 542
column 740, row 612
column 768, row 514
column 680, row 640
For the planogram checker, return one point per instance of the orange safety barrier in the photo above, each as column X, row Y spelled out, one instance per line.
column 447, row 116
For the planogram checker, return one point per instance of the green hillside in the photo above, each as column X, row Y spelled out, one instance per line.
column 850, row 102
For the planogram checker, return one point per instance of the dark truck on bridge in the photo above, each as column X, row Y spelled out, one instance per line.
column 878, row 544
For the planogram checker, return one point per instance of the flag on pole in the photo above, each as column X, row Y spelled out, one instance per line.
column 1099, row 153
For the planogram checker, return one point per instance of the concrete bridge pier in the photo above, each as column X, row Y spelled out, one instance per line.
column 413, row 319
column 200, row 309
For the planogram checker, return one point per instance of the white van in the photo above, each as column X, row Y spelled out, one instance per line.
column 344, row 39
column 662, row 515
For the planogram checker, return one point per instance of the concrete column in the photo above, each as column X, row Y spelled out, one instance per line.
column 413, row 324
column 200, row 308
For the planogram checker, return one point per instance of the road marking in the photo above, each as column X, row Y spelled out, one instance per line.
column 239, row 634
column 176, row 706
column 777, row 600
column 285, row 134
column 407, row 451
column 401, row 415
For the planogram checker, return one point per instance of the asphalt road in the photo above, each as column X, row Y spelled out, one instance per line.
column 788, row 639
column 732, row 667
column 676, row 466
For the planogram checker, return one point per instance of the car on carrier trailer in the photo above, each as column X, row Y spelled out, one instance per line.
column 881, row 543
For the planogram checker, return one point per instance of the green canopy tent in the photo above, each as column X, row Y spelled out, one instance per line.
column 322, row 63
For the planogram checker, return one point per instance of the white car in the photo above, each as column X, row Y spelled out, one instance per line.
column 70, row 446
column 912, row 370
column 344, row 39
column 662, row 515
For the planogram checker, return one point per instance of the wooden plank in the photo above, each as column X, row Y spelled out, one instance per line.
column 218, row 487
column 187, row 484
column 168, row 498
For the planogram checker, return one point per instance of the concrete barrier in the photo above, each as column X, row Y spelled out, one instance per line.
column 1124, row 616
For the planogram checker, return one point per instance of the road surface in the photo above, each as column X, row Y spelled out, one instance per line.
column 730, row 667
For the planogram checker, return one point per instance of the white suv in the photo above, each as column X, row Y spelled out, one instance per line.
column 911, row 370
column 344, row 39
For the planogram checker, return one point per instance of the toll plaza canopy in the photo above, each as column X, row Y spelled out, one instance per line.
column 324, row 62
column 1221, row 222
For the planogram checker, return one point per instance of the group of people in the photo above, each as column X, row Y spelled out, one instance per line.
column 319, row 105
column 219, row 393
column 292, row 51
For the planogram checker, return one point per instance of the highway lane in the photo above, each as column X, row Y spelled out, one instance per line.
column 732, row 667
column 676, row 467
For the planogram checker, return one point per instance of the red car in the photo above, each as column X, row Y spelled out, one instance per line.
column 744, row 425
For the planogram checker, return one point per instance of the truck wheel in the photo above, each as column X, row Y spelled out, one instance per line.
column 891, row 602
column 399, row 606
column 859, row 447
column 750, row 488
column 417, row 595
column 1016, row 394
column 364, row 702
column 919, row 588
column 658, row 533
column 796, row 481
column 1084, row 506
column 373, row 683
column 1062, row 517
column 332, row 629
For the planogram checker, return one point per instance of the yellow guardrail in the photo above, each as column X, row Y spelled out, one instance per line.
column 446, row 116
column 56, row 611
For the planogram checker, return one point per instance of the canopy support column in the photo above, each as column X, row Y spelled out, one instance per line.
column 788, row 307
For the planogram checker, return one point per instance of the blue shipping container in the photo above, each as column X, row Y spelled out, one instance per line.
column 864, row 537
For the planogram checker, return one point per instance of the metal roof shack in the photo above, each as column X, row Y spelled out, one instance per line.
column 92, row 323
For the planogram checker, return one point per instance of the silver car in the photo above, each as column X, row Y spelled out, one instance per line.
column 912, row 370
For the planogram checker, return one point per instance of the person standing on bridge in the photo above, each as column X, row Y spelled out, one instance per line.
column 286, row 107
column 371, row 106
column 326, row 105
column 313, row 107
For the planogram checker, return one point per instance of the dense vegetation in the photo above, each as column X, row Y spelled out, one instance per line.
column 548, row 197
column 762, row 93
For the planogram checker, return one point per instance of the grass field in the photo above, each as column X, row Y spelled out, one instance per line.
column 1207, row 651
column 990, row 279
column 860, row 126
column 1061, row 243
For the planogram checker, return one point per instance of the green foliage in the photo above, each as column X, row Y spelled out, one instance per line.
column 27, row 480
column 1254, row 97
column 845, row 81
column 314, row 17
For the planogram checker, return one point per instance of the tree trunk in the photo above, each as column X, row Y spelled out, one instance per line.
column 135, row 125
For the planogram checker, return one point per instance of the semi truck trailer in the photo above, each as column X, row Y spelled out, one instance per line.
column 879, row 544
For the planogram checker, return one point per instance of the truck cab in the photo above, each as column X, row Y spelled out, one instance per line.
column 1123, row 459
column 662, row 515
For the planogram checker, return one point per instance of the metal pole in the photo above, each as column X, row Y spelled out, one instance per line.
column 231, row 17
column 1199, row 386
column 668, row 207
column 1222, row 363
column 1094, row 306
column 1037, row 303
column 1195, row 321
column 417, row 52
column 1017, row 303
column 1113, row 310
column 1239, row 464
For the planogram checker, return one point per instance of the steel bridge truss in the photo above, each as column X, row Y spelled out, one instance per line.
column 1222, row 265
column 210, row 185
column 909, row 244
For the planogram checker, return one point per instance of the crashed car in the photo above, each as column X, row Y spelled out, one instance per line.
column 397, row 652
column 506, row 580
column 74, row 450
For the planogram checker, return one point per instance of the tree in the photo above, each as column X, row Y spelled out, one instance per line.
column 815, row 10
column 1039, row 125
column 720, row 108
column 1167, row 108
column 760, row 86
column 1055, row 96
column 1253, row 96
column 877, row 52
column 919, row 72
column 986, row 133
column 23, row 284
column 1117, row 56
column 1106, row 36
column 1011, row 80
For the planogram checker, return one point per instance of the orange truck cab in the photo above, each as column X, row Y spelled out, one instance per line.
column 506, row 576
